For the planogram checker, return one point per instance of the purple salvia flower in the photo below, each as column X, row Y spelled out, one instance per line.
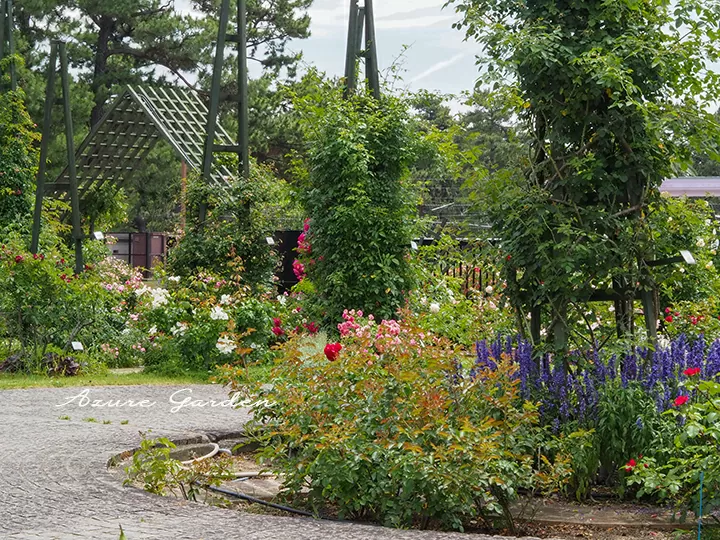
column 496, row 348
column 679, row 354
column 509, row 345
column 527, row 366
column 697, row 353
column 712, row 366
column 483, row 356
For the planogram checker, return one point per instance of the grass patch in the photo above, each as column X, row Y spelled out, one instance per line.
column 18, row 381
column 14, row 381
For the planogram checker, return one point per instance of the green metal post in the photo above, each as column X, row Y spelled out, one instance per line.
column 7, row 25
column 651, row 315
column 243, row 105
column 3, row 24
column 535, row 325
column 371, row 64
column 352, row 49
column 359, row 34
column 214, row 108
column 42, row 170
column 77, row 232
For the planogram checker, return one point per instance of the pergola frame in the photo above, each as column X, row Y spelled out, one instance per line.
column 130, row 129
column 117, row 145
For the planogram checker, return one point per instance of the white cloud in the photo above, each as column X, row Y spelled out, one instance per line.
column 438, row 66
column 335, row 14
column 416, row 22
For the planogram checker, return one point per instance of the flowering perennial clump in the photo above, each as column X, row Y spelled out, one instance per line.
column 572, row 392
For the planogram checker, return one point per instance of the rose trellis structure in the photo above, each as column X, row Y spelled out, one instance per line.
column 116, row 146
column 362, row 19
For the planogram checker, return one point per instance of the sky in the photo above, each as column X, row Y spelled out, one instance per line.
column 437, row 58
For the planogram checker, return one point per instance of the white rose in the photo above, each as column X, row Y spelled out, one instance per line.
column 709, row 265
column 489, row 289
column 176, row 279
column 434, row 307
column 153, row 331
column 179, row 329
column 225, row 299
column 225, row 345
column 700, row 243
column 218, row 314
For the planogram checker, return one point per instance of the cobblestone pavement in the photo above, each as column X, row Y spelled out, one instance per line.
column 54, row 483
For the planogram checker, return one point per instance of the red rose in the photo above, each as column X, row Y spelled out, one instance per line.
column 332, row 350
column 680, row 401
column 691, row 372
column 18, row 259
column 311, row 327
column 278, row 331
column 669, row 319
column 667, row 310
column 277, row 322
column 630, row 465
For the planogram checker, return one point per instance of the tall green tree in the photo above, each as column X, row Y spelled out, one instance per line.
column 614, row 96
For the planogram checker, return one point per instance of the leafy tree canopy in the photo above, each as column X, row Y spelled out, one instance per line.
column 615, row 98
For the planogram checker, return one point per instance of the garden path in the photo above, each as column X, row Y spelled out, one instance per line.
column 54, row 483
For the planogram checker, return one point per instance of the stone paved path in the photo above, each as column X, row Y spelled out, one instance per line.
column 54, row 483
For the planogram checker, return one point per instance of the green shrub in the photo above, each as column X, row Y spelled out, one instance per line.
column 153, row 467
column 18, row 163
column 235, row 231
column 42, row 303
column 685, row 224
column 673, row 473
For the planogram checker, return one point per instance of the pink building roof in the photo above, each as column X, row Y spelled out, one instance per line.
column 694, row 186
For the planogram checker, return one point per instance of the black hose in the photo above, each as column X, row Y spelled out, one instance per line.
column 252, row 499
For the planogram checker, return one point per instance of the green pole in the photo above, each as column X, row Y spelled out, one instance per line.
column 11, row 45
column 700, row 512
column 214, row 108
column 42, row 170
column 373, row 75
column 3, row 24
column 77, row 232
column 352, row 51
column 243, row 106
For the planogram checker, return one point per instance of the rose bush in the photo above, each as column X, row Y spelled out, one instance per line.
column 673, row 472
column 387, row 425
